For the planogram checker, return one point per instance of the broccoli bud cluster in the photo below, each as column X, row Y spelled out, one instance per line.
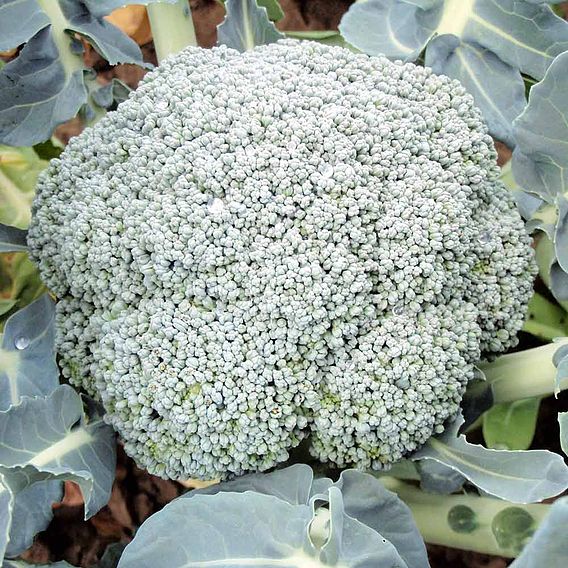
column 296, row 241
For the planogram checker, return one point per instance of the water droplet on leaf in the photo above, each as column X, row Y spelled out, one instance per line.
column 485, row 237
column 21, row 342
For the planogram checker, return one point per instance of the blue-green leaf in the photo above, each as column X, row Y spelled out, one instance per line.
column 244, row 529
column 548, row 547
column 498, row 88
column 38, row 92
column 246, row 25
column 53, row 438
column 364, row 499
column 12, row 239
column 108, row 40
column 32, row 512
column 6, row 508
column 45, row 85
column 291, row 484
column 114, row 92
column 327, row 37
column 362, row 494
column 393, row 28
column 273, row 8
column 29, row 17
column 436, row 477
column 517, row 476
column 563, row 423
column 560, row 361
column 540, row 163
column 27, row 354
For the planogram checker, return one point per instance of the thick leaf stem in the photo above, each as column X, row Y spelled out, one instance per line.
column 172, row 27
column 525, row 374
column 71, row 62
column 470, row 522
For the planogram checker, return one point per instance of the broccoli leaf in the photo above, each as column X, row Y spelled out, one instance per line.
column 517, row 476
column 39, row 90
column 53, row 438
column 393, row 28
column 241, row 529
column 540, row 161
column 549, row 545
column 273, row 8
column 19, row 21
column 12, row 239
column 27, row 354
column 45, row 85
column 291, row 484
column 511, row 425
column 6, row 508
column 563, row 423
column 546, row 319
column 436, row 477
column 32, row 512
column 490, row 37
column 246, row 25
column 362, row 494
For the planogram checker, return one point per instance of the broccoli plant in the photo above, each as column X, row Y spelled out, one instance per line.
column 279, row 250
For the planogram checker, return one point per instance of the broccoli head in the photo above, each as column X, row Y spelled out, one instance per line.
column 297, row 241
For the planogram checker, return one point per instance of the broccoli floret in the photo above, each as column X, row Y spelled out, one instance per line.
column 293, row 241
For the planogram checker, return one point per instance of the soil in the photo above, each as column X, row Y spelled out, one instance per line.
column 136, row 495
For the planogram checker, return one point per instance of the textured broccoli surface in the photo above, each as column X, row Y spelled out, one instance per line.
column 294, row 241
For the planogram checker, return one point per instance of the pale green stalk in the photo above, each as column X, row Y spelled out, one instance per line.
column 172, row 27
column 524, row 374
column 71, row 62
column 470, row 522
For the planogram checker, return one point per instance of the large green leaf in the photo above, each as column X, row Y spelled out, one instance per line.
column 540, row 161
column 45, row 85
column 27, row 354
column 364, row 499
column 31, row 513
column 53, row 438
column 517, row 476
column 511, row 425
column 284, row 518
